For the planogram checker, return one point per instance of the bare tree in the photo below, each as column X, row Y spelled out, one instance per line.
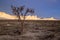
column 18, row 11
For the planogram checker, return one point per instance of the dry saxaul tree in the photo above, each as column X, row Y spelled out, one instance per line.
column 19, row 11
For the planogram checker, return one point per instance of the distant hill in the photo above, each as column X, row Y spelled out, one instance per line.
column 4, row 15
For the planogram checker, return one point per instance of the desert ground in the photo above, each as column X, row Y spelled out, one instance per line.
column 32, row 30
